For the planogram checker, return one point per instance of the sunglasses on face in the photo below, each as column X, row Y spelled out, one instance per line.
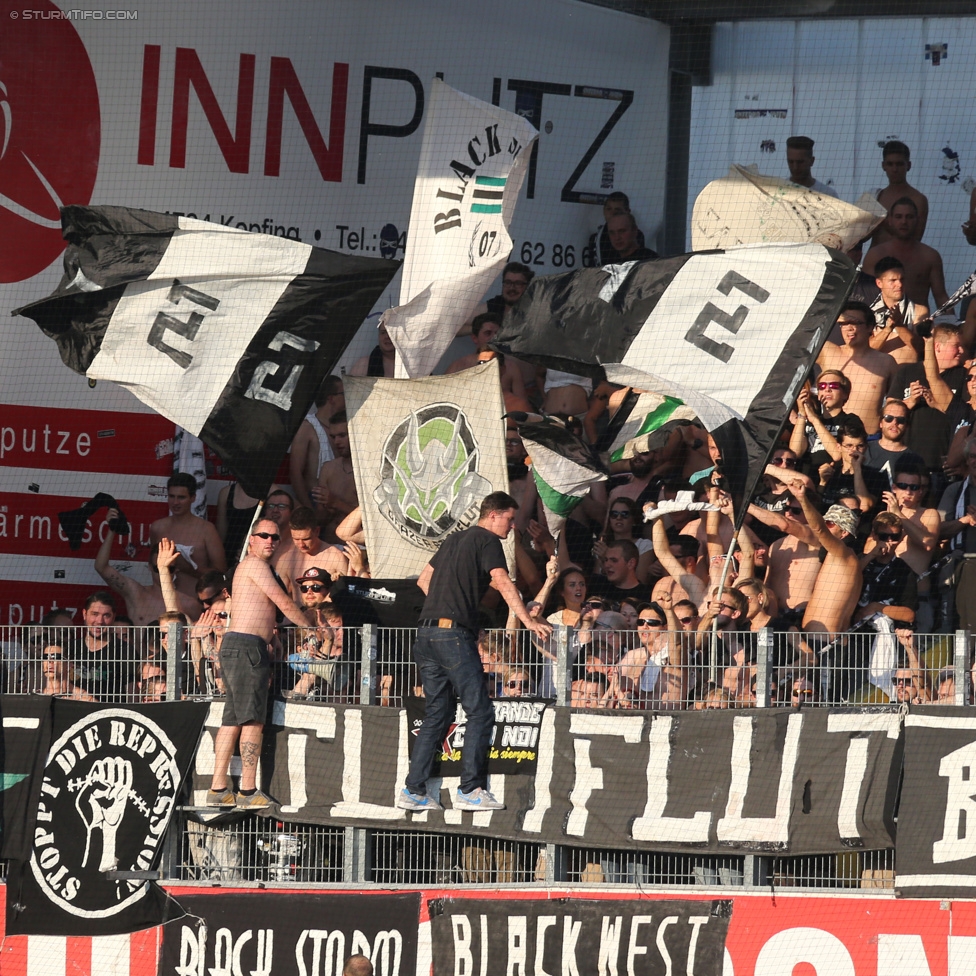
column 784, row 462
column 622, row 513
column 725, row 606
column 223, row 614
column 311, row 587
column 649, row 622
column 686, row 620
column 830, row 385
column 594, row 605
column 273, row 536
column 890, row 418
column 888, row 536
column 208, row 601
column 906, row 487
column 53, row 657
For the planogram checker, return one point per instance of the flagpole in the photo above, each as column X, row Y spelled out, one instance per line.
column 713, row 662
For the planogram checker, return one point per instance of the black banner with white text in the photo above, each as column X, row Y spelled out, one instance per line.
column 291, row 934
column 936, row 850
column 478, row 937
column 798, row 781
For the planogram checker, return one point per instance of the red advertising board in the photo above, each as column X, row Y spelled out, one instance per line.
column 771, row 935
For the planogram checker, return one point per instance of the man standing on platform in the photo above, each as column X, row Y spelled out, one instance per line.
column 246, row 669
column 447, row 656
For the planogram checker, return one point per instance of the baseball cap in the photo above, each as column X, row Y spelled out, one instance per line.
column 314, row 573
column 842, row 516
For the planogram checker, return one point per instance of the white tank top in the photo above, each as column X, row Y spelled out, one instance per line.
column 325, row 448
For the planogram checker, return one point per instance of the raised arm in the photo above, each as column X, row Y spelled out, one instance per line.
column 941, row 394
column 115, row 580
column 165, row 557
column 815, row 520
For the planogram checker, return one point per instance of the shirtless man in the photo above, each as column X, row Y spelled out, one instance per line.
column 278, row 508
column 143, row 604
column 896, row 162
column 484, row 328
column 381, row 361
column 794, row 559
column 311, row 448
column 246, row 669
column 923, row 264
column 680, row 562
column 838, row 584
column 920, row 525
column 897, row 314
column 869, row 370
column 309, row 550
column 196, row 539
column 336, row 495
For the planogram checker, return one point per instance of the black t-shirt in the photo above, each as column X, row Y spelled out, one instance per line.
column 816, row 454
column 771, row 503
column 930, row 430
column 601, row 586
column 890, row 583
column 106, row 672
column 462, row 572
column 885, row 461
column 842, row 486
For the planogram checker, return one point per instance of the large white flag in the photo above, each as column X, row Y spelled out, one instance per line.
column 425, row 453
column 472, row 163
column 747, row 207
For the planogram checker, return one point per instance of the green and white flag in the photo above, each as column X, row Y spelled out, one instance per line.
column 563, row 468
column 651, row 420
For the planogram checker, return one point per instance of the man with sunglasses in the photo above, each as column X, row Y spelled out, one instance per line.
column 888, row 582
column 246, row 668
column 921, row 525
column 820, row 409
column 891, row 447
column 322, row 637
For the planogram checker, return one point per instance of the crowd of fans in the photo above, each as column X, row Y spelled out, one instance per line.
column 861, row 535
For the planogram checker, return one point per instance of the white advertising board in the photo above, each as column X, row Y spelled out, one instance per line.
column 292, row 118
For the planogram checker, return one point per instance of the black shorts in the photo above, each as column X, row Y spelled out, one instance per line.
column 246, row 670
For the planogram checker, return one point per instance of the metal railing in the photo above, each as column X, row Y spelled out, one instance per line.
column 601, row 669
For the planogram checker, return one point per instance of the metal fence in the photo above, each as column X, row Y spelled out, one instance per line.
column 595, row 669
column 665, row 671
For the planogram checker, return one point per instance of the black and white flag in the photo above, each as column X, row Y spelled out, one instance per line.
column 111, row 781
column 731, row 334
column 226, row 333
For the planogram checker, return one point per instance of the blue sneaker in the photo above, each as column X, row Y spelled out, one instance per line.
column 411, row 801
column 477, row 799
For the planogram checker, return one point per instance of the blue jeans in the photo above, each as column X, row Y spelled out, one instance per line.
column 450, row 670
